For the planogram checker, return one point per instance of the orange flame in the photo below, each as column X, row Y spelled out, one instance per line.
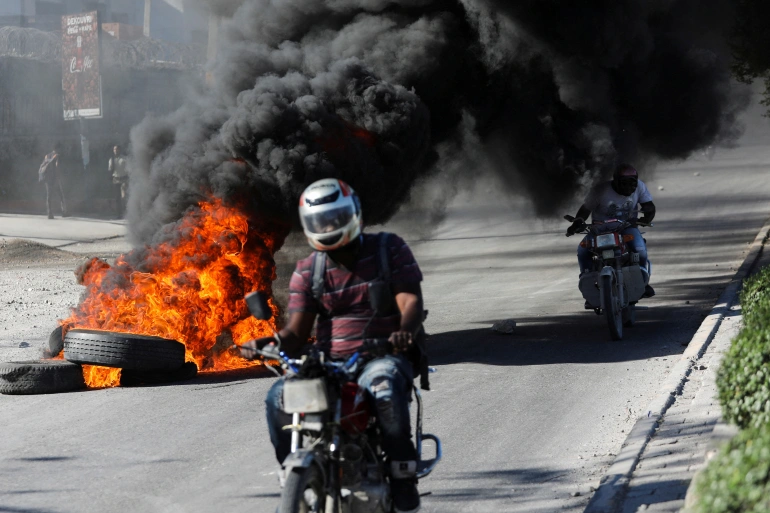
column 101, row 377
column 190, row 289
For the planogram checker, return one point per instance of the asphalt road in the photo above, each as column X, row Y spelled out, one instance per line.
column 529, row 421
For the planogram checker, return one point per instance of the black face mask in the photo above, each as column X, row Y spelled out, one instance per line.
column 347, row 254
column 625, row 185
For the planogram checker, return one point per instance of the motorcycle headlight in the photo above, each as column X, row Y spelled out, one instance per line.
column 605, row 240
column 305, row 396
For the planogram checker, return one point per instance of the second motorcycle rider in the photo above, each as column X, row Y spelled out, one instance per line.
column 331, row 285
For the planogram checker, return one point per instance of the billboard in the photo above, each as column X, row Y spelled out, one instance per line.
column 81, row 79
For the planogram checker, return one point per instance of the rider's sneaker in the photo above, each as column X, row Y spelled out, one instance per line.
column 648, row 291
column 406, row 498
column 588, row 306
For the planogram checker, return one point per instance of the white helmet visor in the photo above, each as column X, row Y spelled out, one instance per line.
column 327, row 221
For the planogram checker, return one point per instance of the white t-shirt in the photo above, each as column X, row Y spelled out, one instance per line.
column 605, row 203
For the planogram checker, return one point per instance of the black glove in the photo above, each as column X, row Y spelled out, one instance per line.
column 249, row 349
column 577, row 225
column 644, row 220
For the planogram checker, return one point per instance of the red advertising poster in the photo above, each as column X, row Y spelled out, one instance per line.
column 81, row 80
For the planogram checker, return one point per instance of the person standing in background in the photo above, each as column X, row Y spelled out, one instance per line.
column 117, row 167
column 49, row 174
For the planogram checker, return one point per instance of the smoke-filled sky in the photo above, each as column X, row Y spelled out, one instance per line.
column 549, row 94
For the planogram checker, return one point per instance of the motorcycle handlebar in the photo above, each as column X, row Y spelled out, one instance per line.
column 587, row 228
column 377, row 346
column 374, row 346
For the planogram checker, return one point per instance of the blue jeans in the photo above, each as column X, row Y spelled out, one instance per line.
column 637, row 245
column 388, row 381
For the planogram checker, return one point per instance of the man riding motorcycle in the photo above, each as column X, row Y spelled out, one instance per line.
column 613, row 201
column 330, row 212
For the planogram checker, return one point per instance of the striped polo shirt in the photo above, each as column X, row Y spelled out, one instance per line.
column 345, row 308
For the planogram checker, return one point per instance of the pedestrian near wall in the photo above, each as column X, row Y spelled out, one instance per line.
column 49, row 173
column 118, row 168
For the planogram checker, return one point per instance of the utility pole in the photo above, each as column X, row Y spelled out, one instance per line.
column 147, row 11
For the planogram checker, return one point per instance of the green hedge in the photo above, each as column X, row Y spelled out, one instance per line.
column 737, row 480
column 743, row 379
column 755, row 300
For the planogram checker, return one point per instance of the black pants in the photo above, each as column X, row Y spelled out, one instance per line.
column 52, row 187
column 120, row 192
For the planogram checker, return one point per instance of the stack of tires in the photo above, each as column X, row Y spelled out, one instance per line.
column 143, row 359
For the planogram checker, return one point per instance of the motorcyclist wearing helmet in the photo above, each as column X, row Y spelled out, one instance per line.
column 330, row 212
column 618, row 200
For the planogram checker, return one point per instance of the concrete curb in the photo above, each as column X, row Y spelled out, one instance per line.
column 614, row 485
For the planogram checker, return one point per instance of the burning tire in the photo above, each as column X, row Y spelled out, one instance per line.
column 56, row 342
column 130, row 378
column 123, row 350
column 40, row 377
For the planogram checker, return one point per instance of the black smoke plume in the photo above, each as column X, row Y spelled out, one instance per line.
column 551, row 94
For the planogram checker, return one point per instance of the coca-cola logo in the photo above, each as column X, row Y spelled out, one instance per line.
column 88, row 63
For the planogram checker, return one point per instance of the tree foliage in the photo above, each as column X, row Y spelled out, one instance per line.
column 750, row 43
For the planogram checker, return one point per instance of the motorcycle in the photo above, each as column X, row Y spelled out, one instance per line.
column 336, row 464
column 616, row 283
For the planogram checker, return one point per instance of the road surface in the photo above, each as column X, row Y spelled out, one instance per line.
column 529, row 421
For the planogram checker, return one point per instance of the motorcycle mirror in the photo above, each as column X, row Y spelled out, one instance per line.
column 257, row 303
column 380, row 296
column 569, row 218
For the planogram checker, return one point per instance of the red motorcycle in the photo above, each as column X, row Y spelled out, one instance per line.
column 336, row 464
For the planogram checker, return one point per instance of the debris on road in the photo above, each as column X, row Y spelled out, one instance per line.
column 505, row 327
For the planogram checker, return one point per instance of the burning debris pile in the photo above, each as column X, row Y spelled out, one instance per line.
column 382, row 93
column 189, row 289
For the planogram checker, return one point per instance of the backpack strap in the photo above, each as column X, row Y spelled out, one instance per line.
column 317, row 273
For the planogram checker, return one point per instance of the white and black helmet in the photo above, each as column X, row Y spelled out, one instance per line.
column 330, row 212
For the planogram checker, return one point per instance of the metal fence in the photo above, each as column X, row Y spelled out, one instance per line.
column 143, row 53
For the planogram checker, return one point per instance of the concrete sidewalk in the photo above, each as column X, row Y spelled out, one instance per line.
column 690, row 432
column 77, row 234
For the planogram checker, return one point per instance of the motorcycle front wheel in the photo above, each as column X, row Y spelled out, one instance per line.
column 304, row 491
column 611, row 307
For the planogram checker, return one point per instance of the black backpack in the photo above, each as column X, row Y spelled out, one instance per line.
column 418, row 355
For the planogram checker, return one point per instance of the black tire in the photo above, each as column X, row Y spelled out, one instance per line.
column 123, row 350
column 56, row 342
column 629, row 315
column 612, row 309
column 132, row 378
column 294, row 498
column 40, row 377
